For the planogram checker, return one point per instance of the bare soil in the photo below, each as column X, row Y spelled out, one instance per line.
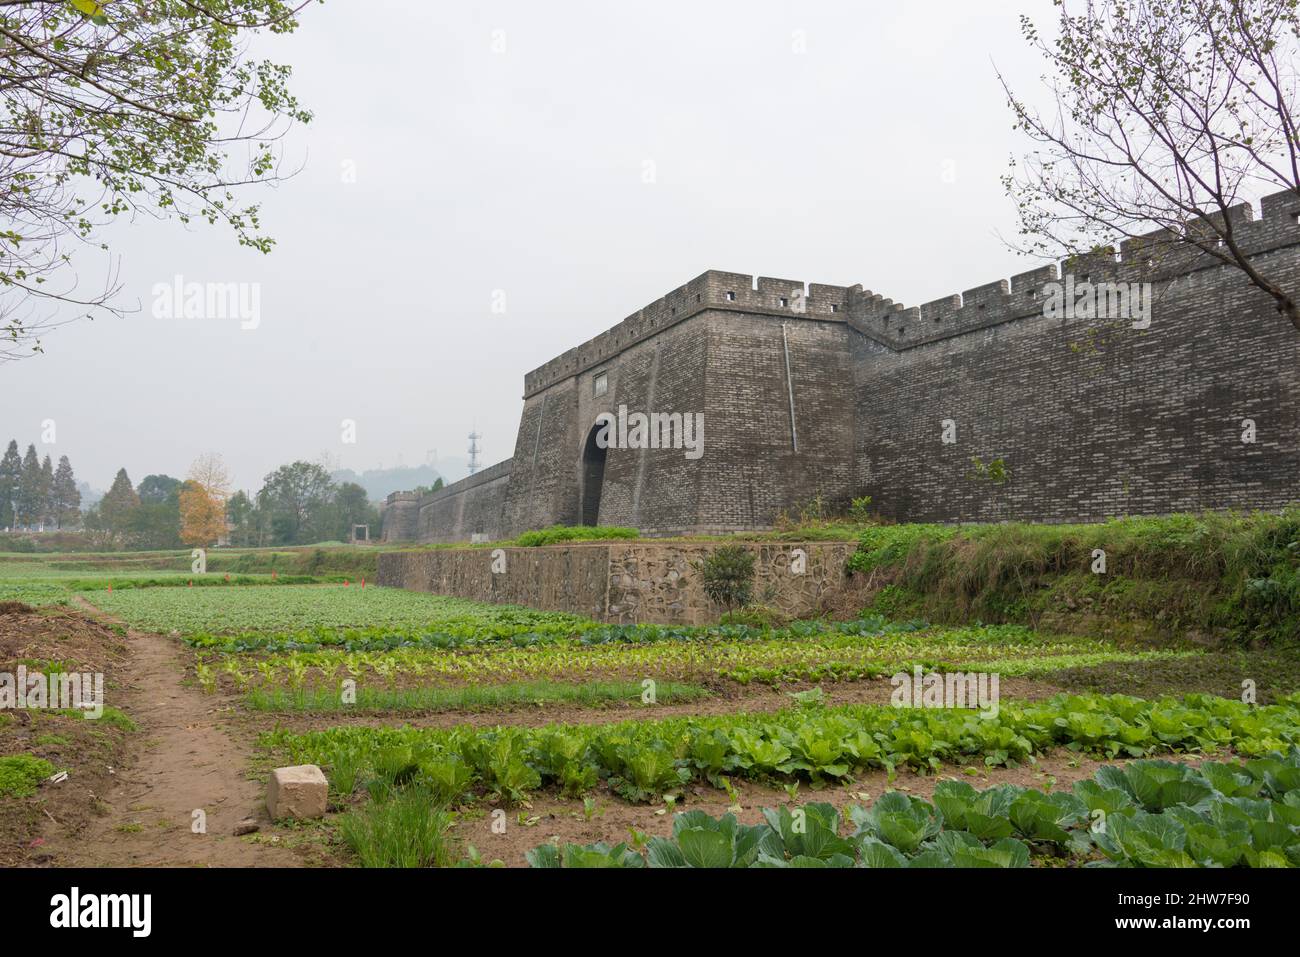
column 1273, row 673
column 90, row 751
column 142, row 809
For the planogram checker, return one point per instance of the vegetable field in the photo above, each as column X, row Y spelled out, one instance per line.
column 457, row 733
column 242, row 618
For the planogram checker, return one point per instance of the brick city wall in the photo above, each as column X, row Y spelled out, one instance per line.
column 813, row 390
column 1092, row 417
column 401, row 517
column 472, row 509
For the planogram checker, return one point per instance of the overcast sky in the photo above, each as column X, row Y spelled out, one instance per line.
column 824, row 142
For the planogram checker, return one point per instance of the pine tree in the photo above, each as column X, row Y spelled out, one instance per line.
column 31, row 491
column 47, row 492
column 65, row 497
column 118, row 504
column 11, row 470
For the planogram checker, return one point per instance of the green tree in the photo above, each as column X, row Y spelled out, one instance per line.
column 30, row 501
column 352, row 507
column 111, row 110
column 298, row 497
column 241, row 514
column 65, row 497
column 426, row 489
column 118, row 506
column 157, row 489
column 11, row 471
column 260, row 522
column 156, row 522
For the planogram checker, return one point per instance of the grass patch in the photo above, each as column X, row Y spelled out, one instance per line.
column 1232, row 575
column 322, row 559
column 111, row 717
column 407, row 830
column 573, row 533
column 20, row 774
column 115, row 718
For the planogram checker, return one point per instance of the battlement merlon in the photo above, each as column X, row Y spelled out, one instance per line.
column 714, row 289
column 1150, row 258
column 1154, row 257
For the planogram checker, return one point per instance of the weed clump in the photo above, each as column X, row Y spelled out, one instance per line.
column 20, row 774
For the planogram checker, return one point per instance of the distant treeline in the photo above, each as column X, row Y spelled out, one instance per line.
column 34, row 494
column 298, row 504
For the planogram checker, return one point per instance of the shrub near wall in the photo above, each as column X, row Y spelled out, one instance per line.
column 557, row 534
column 1214, row 575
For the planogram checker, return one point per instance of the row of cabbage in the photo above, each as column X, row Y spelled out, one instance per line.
column 643, row 760
column 1145, row 814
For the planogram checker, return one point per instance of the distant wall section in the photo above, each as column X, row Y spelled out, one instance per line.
column 472, row 509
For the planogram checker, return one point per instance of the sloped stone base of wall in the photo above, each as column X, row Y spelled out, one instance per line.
column 620, row 582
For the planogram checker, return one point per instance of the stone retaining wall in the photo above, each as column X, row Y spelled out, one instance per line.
column 619, row 582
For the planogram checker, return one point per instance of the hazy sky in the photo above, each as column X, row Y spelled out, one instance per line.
column 824, row 142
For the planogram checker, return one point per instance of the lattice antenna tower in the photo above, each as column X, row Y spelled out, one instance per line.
column 474, row 451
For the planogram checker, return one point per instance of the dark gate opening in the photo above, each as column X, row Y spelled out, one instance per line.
column 593, row 477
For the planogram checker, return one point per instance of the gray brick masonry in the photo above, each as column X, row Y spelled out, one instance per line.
column 835, row 392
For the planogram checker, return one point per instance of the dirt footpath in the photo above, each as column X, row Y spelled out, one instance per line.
column 185, row 783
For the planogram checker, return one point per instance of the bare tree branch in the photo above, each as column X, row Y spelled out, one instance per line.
column 132, row 109
column 1167, row 114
